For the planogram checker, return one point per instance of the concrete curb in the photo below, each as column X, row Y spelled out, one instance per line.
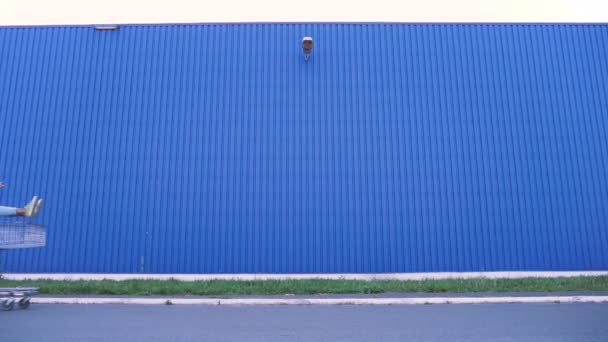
column 331, row 276
column 321, row 301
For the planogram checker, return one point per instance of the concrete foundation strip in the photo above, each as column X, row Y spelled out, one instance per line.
column 321, row 301
column 331, row 276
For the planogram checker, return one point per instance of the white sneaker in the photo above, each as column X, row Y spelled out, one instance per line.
column 29, row 208
column 37, row 207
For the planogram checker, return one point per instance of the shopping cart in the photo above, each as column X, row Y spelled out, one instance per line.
column 14, row 235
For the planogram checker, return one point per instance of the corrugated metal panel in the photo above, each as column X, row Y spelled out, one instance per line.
column 396, row 148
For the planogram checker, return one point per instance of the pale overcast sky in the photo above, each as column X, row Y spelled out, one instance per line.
column 35, row 12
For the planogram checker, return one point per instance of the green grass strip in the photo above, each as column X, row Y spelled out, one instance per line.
column 277, row 287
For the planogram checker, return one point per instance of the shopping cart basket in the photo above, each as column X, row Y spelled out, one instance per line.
column 15, row 235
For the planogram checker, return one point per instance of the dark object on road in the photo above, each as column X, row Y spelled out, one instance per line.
column 19, row 295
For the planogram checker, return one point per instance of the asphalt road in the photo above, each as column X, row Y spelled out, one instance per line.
column 487, row 322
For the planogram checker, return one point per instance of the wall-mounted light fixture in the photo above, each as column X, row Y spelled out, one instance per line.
column 106, row 28
column 307, row 45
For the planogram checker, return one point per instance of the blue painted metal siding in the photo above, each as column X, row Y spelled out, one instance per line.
column 396, row 148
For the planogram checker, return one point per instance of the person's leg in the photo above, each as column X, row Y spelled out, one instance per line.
column 30, row 210
column 10, row 211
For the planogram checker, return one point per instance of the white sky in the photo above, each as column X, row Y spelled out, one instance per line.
column 32, row 12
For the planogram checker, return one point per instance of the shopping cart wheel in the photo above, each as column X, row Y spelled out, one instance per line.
column 8, row 304
column 24, row 303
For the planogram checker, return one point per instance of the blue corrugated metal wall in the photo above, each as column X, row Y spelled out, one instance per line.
column 396, row 148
